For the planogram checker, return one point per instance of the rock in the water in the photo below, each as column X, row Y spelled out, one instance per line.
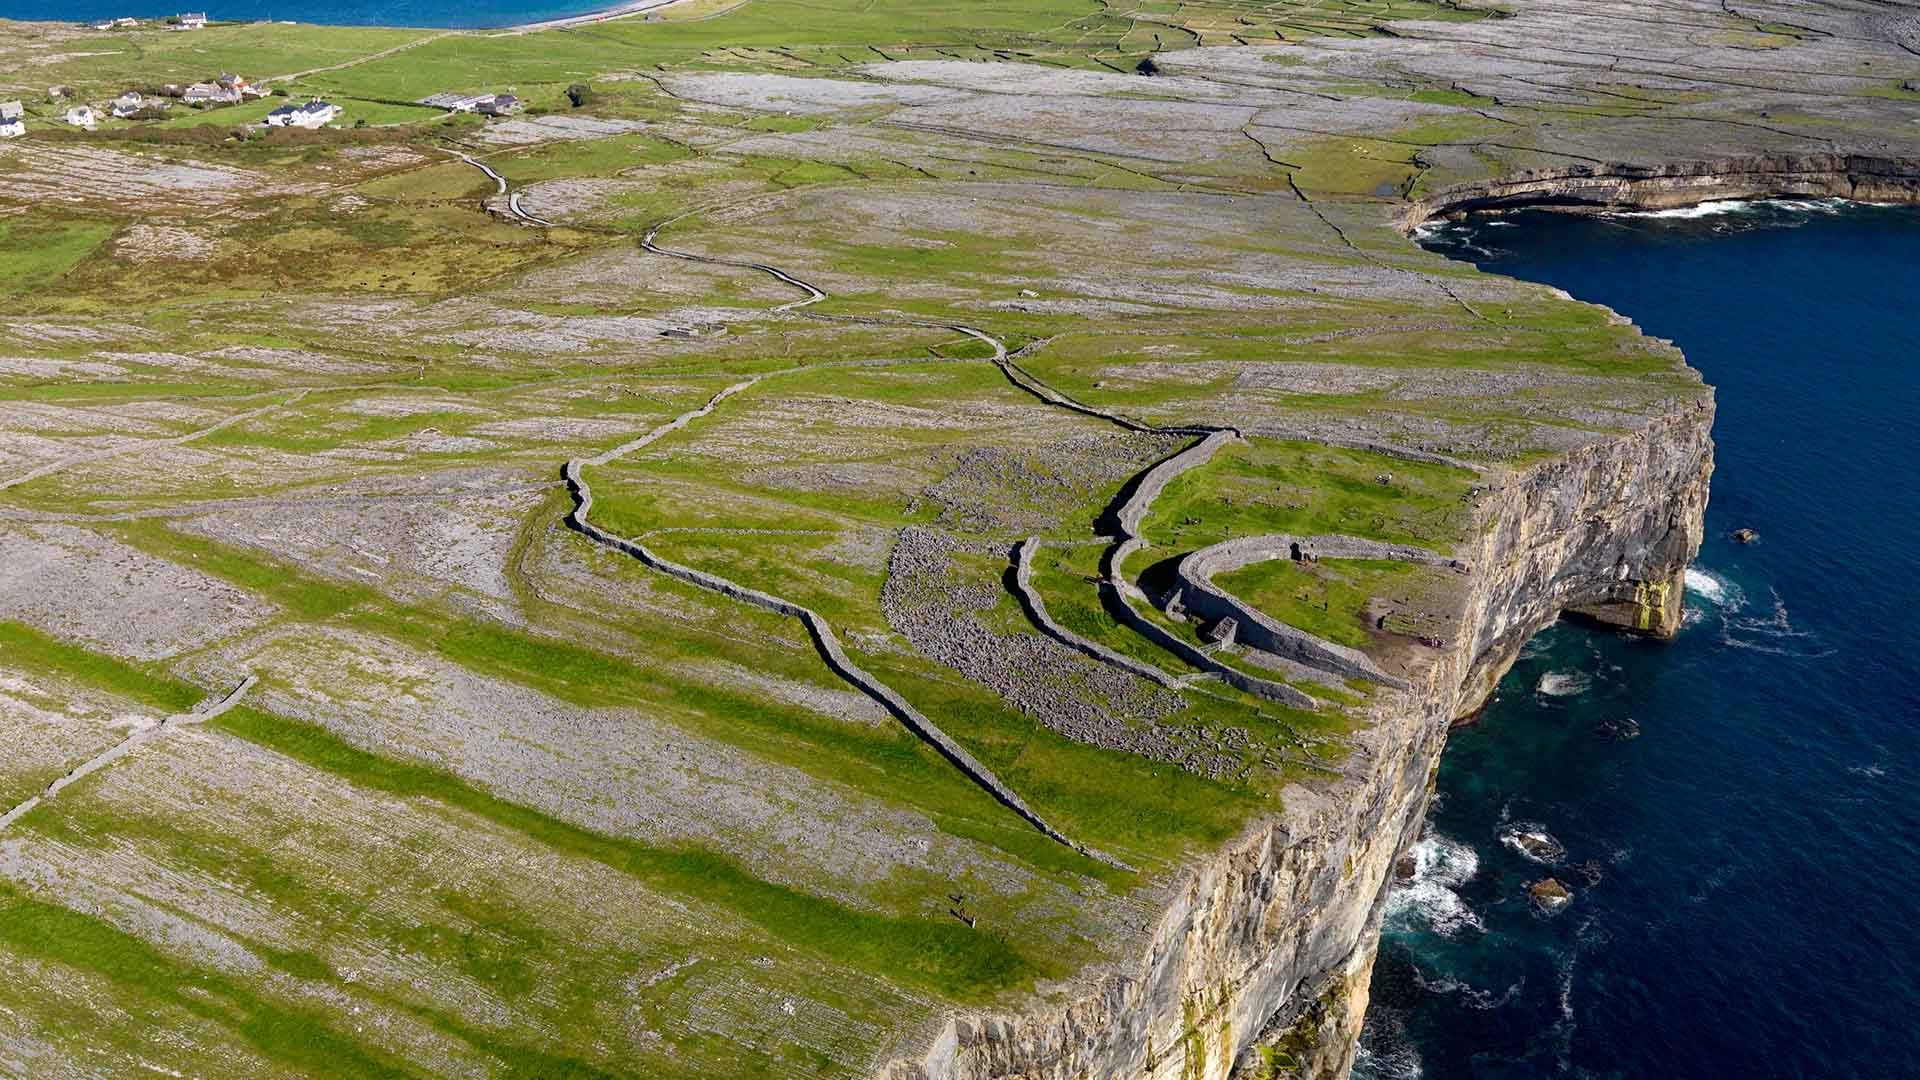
column 1622, row 729
column 1550, row 894
column 1405, row 867
column 1745, row 536
column 1535, row 844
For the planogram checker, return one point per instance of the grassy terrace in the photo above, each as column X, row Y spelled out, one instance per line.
column 504, row 803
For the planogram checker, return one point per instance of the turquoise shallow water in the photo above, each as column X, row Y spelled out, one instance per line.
column 1747, row 889
column 461, row 14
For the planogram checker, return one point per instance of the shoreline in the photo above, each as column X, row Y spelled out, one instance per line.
column 1629, row 187
column 618, row 11
column 585, row 18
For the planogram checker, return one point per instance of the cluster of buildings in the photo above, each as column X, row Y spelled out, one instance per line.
column 226, row 90
column 135, row 105
column 484, row 104
column 186, row 20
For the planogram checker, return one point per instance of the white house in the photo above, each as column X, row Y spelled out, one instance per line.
column 12, row 129
column 313, row 114
column 127, row 22
column 239, row 85
column 83, row 116
column 193, row 20
column 210, row 94
column 484, row 104
column 128, row 103
column 455, row 102
column 11, row 111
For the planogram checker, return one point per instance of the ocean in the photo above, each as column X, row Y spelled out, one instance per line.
column 1738, row 807
column 449, row 14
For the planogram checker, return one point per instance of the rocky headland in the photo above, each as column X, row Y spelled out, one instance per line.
column 861, row 547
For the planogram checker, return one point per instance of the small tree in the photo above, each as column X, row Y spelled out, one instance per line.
column 1146, row 66
column 579, row 94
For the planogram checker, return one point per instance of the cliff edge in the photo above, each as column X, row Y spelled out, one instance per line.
column 1260, row 964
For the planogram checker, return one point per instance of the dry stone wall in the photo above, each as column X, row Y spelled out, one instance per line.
column 1282, row 925
column 1200, row 596
column 825, row 640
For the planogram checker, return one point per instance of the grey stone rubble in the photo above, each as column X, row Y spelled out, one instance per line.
column 1037, row 609
column 1001, row 491
column 1371, row 446
column 822, row 632
column 930, row 599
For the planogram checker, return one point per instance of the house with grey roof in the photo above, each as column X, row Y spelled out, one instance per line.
column 313, row 114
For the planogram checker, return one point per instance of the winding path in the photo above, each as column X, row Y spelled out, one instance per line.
column 514, row 209
column 206, row 710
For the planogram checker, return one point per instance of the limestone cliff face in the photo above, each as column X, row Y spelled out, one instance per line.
column 1665, row 186
column 1270, row 943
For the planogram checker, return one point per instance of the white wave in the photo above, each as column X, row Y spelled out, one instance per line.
column 1698, row 210
column 1724, row 207
column 1714, row 589
column 1562, row 684
column 1471, row 996
column 1533, row 842
column 1813, row 206
column 1396, row 1062
column 1874, row 769
column 1440, row 865
column 1775, row 636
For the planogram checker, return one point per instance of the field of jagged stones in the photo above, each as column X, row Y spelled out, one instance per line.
column 716, row 598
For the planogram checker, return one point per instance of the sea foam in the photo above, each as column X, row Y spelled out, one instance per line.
column 1714, row 589
column 1698, row 210
column 1562, row 684
column 1440, row 865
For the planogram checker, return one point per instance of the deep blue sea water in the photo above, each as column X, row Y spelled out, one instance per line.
column 1755, row 908
column 463, row 14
